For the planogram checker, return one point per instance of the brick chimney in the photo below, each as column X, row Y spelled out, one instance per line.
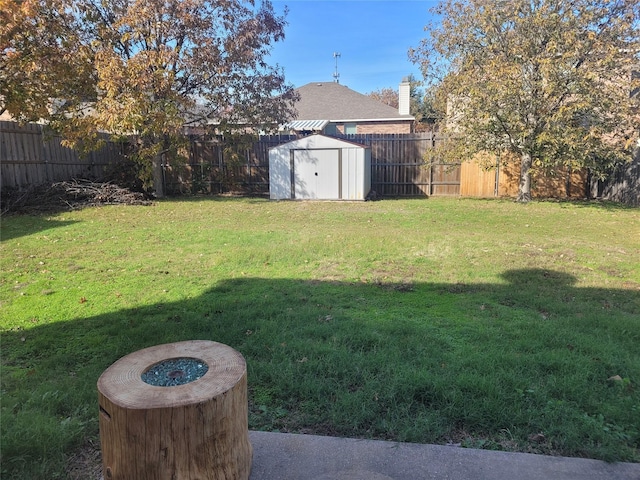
column 404, row 93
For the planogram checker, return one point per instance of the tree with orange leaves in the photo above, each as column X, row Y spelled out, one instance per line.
column 144, row 68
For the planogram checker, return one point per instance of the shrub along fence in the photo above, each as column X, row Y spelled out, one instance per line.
column 30, row 156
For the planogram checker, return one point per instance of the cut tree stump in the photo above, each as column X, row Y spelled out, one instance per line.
column 197, row 430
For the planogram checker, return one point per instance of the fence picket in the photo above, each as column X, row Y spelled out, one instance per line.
column 29, row 156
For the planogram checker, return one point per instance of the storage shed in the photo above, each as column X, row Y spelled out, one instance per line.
column 320, row 168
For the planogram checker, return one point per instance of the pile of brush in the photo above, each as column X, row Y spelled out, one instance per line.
column 70, row 195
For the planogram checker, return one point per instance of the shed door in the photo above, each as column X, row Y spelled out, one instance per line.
column 316, row 174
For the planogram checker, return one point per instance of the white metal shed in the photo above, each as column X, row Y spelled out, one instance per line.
column 320, row 168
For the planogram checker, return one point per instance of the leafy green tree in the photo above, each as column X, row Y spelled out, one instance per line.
column 421, row 104
column 547, row 80
column 145, row 68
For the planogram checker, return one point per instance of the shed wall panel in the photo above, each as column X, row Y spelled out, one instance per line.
column 279, row 174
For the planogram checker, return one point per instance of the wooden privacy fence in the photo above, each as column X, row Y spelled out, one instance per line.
column 224, row 164
column 622, row 184
column 503, row 179
column 398, row 167
column 241, row 164
column 28, row 156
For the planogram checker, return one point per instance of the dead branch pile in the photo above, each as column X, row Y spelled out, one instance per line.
column 71, row 195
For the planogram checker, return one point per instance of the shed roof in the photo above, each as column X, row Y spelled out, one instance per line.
column 318, row 141
column 335, row 102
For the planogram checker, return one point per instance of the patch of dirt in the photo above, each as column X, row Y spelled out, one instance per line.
column 65, row 196
column 402, row 287
column 86, row 463
column 612, row 272
column 537, row 444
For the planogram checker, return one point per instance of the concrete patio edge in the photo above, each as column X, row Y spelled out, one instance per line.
column 280, row 456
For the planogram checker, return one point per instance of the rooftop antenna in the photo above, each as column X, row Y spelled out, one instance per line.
column 336, row 75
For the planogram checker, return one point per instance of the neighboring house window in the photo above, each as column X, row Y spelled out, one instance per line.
column 330, row 129
column 350, row 128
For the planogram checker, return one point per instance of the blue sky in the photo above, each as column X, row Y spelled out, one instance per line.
column 372, row 37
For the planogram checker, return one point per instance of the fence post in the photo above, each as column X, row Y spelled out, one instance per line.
column 496, row 186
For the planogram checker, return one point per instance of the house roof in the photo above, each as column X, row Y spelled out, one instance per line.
column 335, row 102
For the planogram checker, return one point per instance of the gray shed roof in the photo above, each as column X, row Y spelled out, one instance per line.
column 335, row 102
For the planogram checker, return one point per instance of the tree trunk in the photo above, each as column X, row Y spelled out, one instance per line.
column 524, row 191
column 158, row 175
column 197, row 430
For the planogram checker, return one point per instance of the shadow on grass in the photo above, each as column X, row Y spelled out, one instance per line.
column 29, row 224
column 528, row 365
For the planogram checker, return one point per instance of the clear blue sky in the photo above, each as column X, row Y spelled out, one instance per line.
column 372, row 37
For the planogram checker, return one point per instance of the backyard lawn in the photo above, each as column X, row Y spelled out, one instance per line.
column 483, row 323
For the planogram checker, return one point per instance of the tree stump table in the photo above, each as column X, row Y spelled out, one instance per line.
column 177, row 412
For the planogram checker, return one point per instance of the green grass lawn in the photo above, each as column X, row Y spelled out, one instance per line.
column 485, row 323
